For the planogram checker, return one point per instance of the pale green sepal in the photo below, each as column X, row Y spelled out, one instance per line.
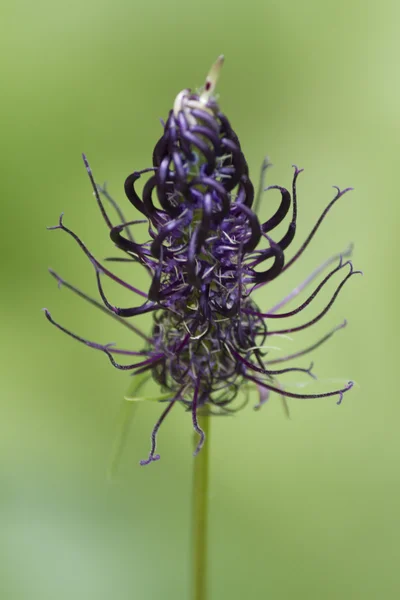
column 148, row 398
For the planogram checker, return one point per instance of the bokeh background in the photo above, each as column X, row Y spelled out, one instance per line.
column 300, row 508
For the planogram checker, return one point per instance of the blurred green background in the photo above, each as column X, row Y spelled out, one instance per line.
column 301, row 508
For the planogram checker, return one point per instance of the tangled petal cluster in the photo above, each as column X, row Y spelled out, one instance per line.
column 207, row 252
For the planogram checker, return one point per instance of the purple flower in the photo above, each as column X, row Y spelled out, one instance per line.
column 207, row 252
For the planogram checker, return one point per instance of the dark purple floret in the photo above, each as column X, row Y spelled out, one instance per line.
column 207, row 252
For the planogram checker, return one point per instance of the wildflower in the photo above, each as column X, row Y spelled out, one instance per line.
column 207, row 253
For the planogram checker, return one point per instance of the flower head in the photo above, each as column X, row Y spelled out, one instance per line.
column 207, row 252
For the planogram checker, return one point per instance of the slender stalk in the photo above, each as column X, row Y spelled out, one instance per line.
column 200, row 514
column 127, row 412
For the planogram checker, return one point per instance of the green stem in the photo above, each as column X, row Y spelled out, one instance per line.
column 127, row 412
column 200, row 513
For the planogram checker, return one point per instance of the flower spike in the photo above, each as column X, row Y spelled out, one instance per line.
column 206, row 253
